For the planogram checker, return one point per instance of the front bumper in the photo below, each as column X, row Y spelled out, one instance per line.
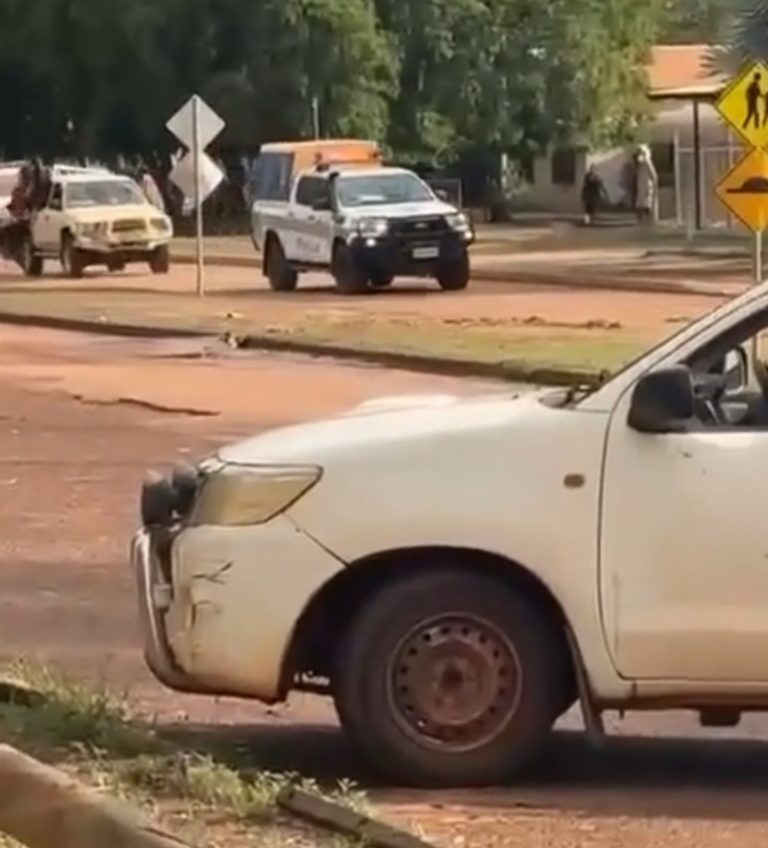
column 219, row 605
column 126, row 250
column 404, row 255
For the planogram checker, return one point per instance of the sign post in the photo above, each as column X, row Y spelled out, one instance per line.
column 744, row 188
column 196, row 125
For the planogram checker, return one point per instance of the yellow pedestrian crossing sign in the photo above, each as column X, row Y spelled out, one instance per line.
column 744, row 105
column 744, row 190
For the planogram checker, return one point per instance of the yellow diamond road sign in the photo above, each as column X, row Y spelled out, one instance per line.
column 744, row 105
column 744, row 190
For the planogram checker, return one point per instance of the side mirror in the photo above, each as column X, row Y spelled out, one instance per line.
column 662, row 402
column 442, row 194
column 735, row 370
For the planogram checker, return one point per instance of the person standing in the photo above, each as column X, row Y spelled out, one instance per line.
column 647, row 186
column 593, row 194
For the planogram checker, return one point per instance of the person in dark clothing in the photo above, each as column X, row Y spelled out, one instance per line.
column 754, row 98
column 593, row 194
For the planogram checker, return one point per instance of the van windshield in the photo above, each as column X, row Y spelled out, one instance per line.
column 379, row 189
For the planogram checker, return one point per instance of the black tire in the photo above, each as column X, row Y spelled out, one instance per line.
column 115, row 265
column 72, row 259
column 447, row 615
column 282, row 278
column 350, row 277
column 31, row 264
column 160, row 260
column 381, row 280
column 454, row 276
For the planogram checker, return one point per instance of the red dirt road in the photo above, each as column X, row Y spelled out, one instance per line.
column 69, row 478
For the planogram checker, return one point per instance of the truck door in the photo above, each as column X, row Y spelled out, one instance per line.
column 313, row 221
column 47, row 223
column 684, row 538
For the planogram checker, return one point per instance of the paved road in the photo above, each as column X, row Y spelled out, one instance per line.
column 80, row 424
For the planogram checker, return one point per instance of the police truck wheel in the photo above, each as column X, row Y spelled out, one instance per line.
column 450, row 679
column 160, row 260
column 282, row 278
column 31, row 264
column 350, row 277
column 454, row 276
column 72, row 259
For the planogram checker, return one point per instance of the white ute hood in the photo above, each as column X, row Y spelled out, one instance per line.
column 383, row 424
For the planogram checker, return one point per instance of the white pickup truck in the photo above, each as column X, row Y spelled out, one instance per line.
column 87, row 217
column 456, row 573
column 365, row 225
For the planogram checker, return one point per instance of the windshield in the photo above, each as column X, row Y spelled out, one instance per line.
column 377, row 189
column 103, row 193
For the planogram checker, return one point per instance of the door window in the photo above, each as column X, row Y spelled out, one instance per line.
column 56, row 201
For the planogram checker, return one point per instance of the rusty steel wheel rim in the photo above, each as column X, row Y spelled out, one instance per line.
column 454, row 682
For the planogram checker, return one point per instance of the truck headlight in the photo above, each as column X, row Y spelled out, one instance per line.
column 459, row 222
column 372, row 227
column 238, row 496
column 163, row 225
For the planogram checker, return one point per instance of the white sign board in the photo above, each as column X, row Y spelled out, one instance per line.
column 209, row 177
column 209, row 124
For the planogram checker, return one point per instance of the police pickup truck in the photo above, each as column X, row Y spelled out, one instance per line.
column 365, row 224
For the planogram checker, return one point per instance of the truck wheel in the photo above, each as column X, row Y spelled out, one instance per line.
column 282, row 278
column 31, row 264
column 449, row 679
column 350, row 277
column 72, row 259
column 160, row 260
column 115, row 265
column 454, row 276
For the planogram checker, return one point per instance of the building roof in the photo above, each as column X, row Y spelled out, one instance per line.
column 682, row 71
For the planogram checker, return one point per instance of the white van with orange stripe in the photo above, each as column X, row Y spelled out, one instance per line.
column 334, row 206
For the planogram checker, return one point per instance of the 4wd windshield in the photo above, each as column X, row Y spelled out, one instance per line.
column 103, row 193
column 378, row 189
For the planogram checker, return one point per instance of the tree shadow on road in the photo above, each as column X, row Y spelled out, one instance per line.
column 631, row 777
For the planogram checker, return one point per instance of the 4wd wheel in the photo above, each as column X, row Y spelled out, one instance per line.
column 449, row 679
column 381, row 280
column 282, row 278
column 350, row 277
column 115, row 265
column 160, row 260
column 72, row 259
column 454, row 276
column 31, row 264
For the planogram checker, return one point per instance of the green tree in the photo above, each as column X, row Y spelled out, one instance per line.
column 695, row 21
column 517, row 75
column 746, row 35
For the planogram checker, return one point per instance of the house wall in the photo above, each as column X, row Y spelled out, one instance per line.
column 671, row 127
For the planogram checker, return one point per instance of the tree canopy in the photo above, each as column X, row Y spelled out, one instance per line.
column 430, row 78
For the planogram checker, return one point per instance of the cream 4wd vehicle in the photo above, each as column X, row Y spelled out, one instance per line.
column 366, row 225
column 96, row 218
column 457, row 573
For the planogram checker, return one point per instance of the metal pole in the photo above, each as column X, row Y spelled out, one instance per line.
column 758, row 269
column 676, row 165
column 316, row 116
column 198, row 205
column 697, row 191
column 731, row 159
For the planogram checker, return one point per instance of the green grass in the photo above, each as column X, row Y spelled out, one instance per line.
column 92, row 734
